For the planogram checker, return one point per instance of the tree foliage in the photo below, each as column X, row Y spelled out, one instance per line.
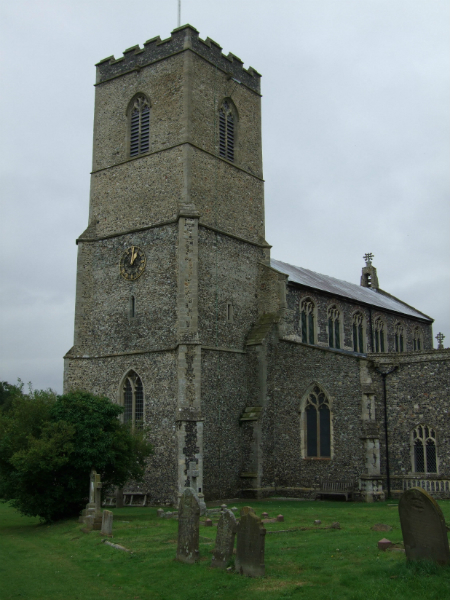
column 49, row 444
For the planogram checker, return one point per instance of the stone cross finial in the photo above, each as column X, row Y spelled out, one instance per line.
column 368, row 258
column 440, row 338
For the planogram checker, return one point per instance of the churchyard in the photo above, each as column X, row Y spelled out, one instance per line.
column 303, row 559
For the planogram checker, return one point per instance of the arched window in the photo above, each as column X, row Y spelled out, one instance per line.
column 379, row 335
column 399, row 337
column 307, row 321
column 226, row 131
column 139, row 126
column 133, row 400
column 424, row 449
column 317, row 424
column 418, row 343
column 334, row 327
column 358, row 332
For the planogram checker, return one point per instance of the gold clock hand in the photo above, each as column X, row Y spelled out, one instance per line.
column 133, row 255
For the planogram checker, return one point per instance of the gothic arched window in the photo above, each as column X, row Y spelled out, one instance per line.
column 358, row 332
column 424, row 447
column 379, row 335
column 133, row 400
column 318, row 424
column 139, row 126
column 226, row 131
column 418, row 343
column 334, row 327
column 307, row 321
column 399, row 337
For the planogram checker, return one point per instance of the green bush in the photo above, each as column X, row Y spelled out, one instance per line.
column 49, row 444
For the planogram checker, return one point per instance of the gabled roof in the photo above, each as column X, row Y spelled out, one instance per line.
column 352, row 291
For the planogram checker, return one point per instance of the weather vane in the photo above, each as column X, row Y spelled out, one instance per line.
column 368, row 258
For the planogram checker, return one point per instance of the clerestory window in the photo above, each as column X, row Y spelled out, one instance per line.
column 334, row 327
column 140, row 126
column 378, row 335
column 133, row 400
column 399, row 337
column 318, row 424
column 307, row 321
column 358, row 332
column 424, row 449
column 226, row 131
column 418, row 343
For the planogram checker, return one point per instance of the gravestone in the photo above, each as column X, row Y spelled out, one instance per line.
column 188, row 527
column 107, row 522
column 423, row 527
column 92, row 514
column 226, row 532
column 251, row 537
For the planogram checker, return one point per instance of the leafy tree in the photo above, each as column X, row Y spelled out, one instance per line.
column 49, row 444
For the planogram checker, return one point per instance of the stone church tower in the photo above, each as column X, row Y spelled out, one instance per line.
column 167, row 278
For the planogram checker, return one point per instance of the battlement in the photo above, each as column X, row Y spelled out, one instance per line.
column 182, row 38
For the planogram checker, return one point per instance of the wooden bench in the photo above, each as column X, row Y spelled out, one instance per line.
column 128, row 499
column 336, row 487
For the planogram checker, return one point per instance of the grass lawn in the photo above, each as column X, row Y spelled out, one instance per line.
column 62, row 563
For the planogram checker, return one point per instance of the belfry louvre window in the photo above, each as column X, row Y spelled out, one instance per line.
column 140, row 126
column 424, row 444
column 133, row 400
column 307, row 321
column 334, row 326
column 399, row 337
column 358, row 332
column 378, row 334
column 226, row 132
column 318, row 425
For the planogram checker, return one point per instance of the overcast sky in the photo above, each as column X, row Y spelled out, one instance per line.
column 355, row 142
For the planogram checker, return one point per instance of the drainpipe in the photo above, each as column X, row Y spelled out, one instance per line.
column 384, row 374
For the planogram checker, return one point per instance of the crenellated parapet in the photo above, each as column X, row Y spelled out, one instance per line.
column 181, row 39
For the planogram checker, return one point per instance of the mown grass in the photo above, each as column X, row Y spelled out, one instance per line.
column 61, row 562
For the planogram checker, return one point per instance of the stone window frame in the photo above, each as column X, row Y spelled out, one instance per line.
column 335, row 313
column 417, row 338
column 131, row 376
column 420, row 436
column 303, row 422
column 303, row 301
column 379, row 334
column 399, row 337
column 129, row 113
column 231, row 110
column 363, row 324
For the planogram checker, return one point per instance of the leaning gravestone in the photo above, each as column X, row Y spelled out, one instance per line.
column 250, row 544
column 423, row 527
column 226, row 532
column 188, row 527
column 107, row 522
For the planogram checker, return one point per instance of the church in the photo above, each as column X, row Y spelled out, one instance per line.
column 252, row 376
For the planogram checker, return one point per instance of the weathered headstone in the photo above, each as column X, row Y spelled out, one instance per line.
column 226, row 532
column 160, row 513
column 188, row 527
column 384, row 544
column 92, row 514
column 280, row 518
column 107, row 522
column 251, row 537
column 208, row 522
column 423, row 527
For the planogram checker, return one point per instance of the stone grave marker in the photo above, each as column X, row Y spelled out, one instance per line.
column 188, row 527
column 107, row 522
column 423, row 527
column 226, row 532
column 92, row 514
column 251, row 537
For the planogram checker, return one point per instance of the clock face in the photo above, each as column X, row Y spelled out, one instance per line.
column 132, row 263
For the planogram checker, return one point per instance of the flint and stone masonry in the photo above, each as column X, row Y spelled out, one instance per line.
column 212, row 329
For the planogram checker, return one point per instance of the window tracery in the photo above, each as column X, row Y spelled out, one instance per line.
column 358, row 332
column 334, row 327
column 133, row 400
column 140, row 126
column 318, row 424
column 418, row 343
column 379, row 335
column 307, row 321
column 399, row 337
column 424, row 449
